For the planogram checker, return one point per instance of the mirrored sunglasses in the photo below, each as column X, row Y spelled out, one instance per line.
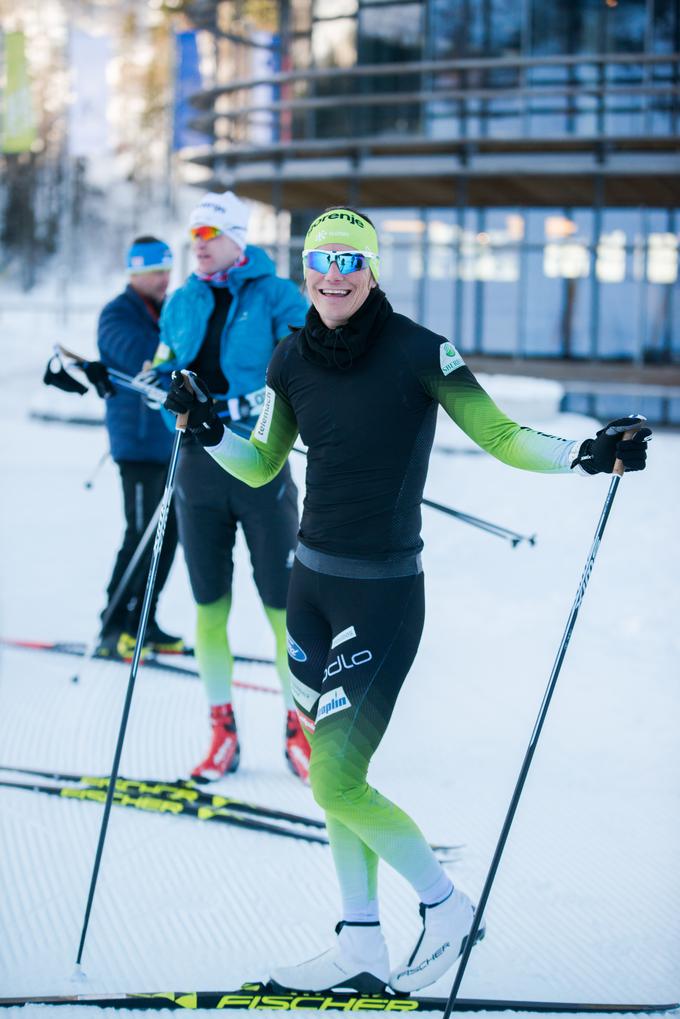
column 204, row 233
column 346, row 261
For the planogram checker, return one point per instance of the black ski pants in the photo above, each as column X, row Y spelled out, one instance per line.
column 143, row 485
column 351, row 643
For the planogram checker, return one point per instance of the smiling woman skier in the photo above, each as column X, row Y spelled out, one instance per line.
column 362, row 385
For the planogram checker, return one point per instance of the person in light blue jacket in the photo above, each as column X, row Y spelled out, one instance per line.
column 223, row 324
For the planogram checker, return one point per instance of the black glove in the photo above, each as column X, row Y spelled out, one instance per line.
column 197, row 402
column 96, row 373
column 597, row 456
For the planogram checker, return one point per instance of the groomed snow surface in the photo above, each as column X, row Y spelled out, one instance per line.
column 586, row 904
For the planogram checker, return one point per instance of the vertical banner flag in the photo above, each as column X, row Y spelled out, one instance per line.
column 264, row 62
column 88, row 128
column 18, row 122
column 187, row 82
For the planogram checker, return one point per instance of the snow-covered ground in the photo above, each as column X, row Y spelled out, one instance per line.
column 586, row 904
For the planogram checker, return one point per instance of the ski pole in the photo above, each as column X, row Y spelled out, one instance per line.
column 121, row 587
column 180, row 428
column 485, row 525
column 543, row 711
column 89, row 482
column 157, row 395
column 146, row 389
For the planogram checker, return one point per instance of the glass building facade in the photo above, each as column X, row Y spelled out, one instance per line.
column 534, row 100
column 537, row 282
column 524, row 273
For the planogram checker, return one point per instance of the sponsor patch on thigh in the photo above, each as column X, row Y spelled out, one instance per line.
column 331, row 702
column 294, row 649
column 303, row 695
column 347, row 634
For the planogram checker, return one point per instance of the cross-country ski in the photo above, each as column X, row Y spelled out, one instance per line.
column 175, row 799
column 164, row 663
column 260, row 997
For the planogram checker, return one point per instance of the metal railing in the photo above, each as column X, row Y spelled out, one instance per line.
column 520, row 97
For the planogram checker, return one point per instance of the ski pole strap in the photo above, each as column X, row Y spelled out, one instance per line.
column 56, row 375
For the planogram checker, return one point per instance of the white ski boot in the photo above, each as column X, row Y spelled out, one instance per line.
column 442, row 940
column 358, row 961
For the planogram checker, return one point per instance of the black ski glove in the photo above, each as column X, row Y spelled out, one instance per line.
column 597, row 456
column 203, row 422
column 96, row 373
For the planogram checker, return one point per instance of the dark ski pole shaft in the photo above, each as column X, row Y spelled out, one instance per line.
column 543, row 711
column 122, row 586
column 153, row 570
column 151, row 392
column 514, row 537
column 89, row 481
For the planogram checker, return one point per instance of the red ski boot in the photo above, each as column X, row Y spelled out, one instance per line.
column 224, row 754
column 297, row 747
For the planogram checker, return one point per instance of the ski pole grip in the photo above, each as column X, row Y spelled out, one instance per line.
column 618, row 464
column 183, row 419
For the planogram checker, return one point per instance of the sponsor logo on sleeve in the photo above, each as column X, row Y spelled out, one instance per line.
column 264, row 422
column 449, row 358
column 331, row 702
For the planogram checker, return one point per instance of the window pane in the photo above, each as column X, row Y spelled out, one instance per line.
column 544, row 309
column 467, row 341
column 448, row 28
column 300, row 15
column 440, row 269
column 576, row 317
column 659, row 340
column 334, row 8
column 401, row 267
column 535, row 223
column 439, row 302
column 334, row 43
column 565, row 26
column 625, row 26
column 619, row 318
column 400, row 272
column 501, row 307
column 495, row 28
column 666, row 26
column 390, row 32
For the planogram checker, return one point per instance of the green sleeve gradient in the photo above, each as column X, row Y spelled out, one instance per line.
column 473, row 410
column 260, row 458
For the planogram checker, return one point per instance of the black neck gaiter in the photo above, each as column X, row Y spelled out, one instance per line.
column 339, row 348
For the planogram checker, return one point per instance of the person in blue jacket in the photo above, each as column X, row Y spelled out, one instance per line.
column 224, row 324
column 127, row 337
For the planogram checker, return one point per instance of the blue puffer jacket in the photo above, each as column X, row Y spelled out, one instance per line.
column 127, row 336
column 262, row 309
